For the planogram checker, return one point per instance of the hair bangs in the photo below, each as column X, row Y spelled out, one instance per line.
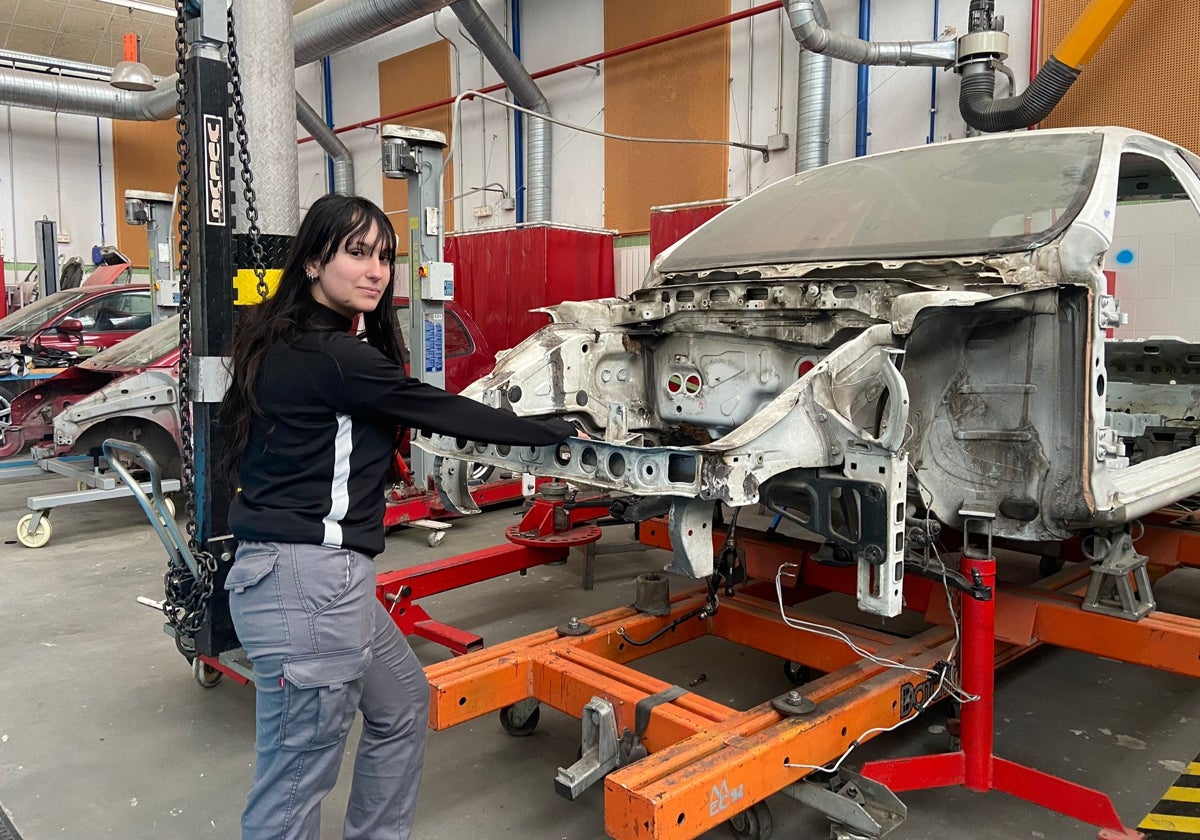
column 368, row 227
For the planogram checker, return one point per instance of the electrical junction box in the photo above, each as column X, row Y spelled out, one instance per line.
column 437, row 280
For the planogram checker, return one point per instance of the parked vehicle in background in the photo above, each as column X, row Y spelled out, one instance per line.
column 75, row 320
column 131, row 392
column 127, row 391
column 467, row 353
column 65, row 326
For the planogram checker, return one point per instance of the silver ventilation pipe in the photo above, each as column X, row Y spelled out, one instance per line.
column 819, row 39
column 493, row 45
column 90, row 98
column 343, row 161
column 264, row 47
column 325, row 28
column 336, row 24
column 43, row 62
column 812, row 109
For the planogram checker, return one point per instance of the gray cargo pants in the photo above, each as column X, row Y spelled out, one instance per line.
column 322, row 645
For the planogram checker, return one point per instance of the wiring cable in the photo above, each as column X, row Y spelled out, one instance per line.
column 941, row 673
column 474, row 94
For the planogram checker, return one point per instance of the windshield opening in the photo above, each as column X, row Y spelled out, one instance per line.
column 28, row 319
column 143, row 348
column 996, row 195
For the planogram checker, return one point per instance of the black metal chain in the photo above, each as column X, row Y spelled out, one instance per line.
column 187, row 597
column 247, row 176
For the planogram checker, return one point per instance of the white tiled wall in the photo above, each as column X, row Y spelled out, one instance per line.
column 631, row 265
column 1159, row 283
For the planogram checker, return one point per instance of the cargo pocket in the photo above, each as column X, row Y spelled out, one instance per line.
column 255, row 600
column 321, row 692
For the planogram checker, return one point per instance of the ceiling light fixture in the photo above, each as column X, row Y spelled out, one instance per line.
column 131, row 74
column 142, row 7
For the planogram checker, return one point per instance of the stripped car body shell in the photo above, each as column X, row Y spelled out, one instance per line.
column 921, row 376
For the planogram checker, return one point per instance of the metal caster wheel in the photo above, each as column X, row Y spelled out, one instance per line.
column 520, row 719
column 435, row 538
column 170, row 506
column 81, row 486
column 38, row 538
column 754, row 823
column 796, row 672
column 206, row 675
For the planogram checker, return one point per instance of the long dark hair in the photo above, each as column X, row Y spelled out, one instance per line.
column 331, row 221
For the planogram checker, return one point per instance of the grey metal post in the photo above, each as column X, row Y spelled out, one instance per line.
column 46, row 236
column 154, row 210
column 415, row 154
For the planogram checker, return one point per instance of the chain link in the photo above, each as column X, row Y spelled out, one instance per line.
column 258, row 262
column 187, row 597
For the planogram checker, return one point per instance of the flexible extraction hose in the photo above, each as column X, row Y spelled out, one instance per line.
column 976, row 97
column 981, row 110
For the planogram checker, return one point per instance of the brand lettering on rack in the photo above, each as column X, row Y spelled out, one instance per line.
column 214, row 168
column 915, row 695
column 722, row 797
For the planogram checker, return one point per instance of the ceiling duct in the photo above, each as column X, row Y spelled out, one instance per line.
column 343, row 162
column 497, row 50
column 325, row 28
column 812, row 107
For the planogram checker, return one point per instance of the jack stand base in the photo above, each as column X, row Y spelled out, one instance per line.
column 860, row 808
column 976, row 767
column 1120, row 584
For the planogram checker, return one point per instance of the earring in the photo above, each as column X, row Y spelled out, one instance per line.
column 312, row 278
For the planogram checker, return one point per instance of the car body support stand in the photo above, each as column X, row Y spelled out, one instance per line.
column 975, row 766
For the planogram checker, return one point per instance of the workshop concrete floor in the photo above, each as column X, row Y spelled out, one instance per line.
column 104, row 733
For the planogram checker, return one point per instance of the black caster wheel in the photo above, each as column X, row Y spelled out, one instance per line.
column 1049, row 566
column 520, row 719
column 754, row 823
column 796, row 673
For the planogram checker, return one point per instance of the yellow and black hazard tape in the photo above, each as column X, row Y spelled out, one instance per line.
column 1177, row 814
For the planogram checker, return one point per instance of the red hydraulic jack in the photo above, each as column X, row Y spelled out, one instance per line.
column 546, row 533
column 975, row 766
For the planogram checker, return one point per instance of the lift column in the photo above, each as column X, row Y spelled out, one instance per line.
column 206, row 300
column 415, row 154
column 155, row 210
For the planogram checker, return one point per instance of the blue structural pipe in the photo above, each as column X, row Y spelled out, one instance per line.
column 933, row 71
column 327, row 86
column 518, row 120
column 864, row 82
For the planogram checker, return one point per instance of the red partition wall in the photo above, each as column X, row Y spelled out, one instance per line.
column 672, row 222
column 500, row 274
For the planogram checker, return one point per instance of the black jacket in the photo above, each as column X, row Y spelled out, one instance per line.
column 313, row 472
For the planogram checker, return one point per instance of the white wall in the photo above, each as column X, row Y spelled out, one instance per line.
column 55, row 174
column 898, row 103
column 763, row 85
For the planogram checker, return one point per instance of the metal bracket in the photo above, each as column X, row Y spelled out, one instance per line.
column 601, row 751
column 450, row 479
column 210, row 379
column 1120, row 584
column 690, row 523
column 859, row 808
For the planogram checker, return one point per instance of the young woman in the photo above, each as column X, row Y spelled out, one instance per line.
column 312, row 413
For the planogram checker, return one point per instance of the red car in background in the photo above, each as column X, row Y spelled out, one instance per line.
column 32, row 413
column 131, row 391
column 87, row 317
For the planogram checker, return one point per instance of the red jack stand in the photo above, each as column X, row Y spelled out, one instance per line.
column 975, row 766
column 546, row 534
